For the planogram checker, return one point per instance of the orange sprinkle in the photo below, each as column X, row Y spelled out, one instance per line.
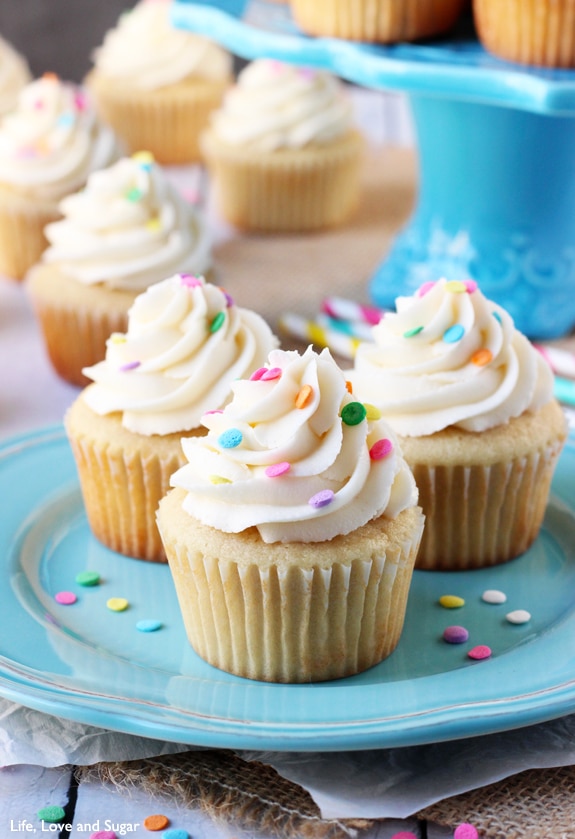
column 303, row 397
column 349, row 386
column 482, row 357
column 156, row 822
column 51, row 77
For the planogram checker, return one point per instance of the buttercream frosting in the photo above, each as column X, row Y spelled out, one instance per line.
column 128, row 228
column 146, row 51
column 294, row 455
column 14, row 75
column 52, row 141
column 185, row 344
column 275, row 105
column 450, row 357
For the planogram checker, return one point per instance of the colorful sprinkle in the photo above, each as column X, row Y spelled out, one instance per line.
column 190, row 280
column 66, row 120
column 143, row 157
column 219, row 479
column 133, row 194
column 480, row 652
column 117, row 338
column 518, row 616
column 117, row 604
column 104, row 834
column 465, row 831
column 454, row 334
column 277, row 469
column 51, row 814
column 49, row 76
column 493, row 595
column 381, row 449
column 156, row 822
column 304, row 396
column 148, row 625
column 371, row 412
column 130, row 365
column 456, row 286
column 231, row 438
column 272, row 373
column 65, row 598
column 349, row 386
column 175, row 834
column 470, row 286
column 404, row 834
column 425, row 288
column 482, row 357
column 411, row 333
column 451, row 601
column 497, row 316
column 257, row 374
column 353, row 413
column 88, row 578
column 154, row 224
column 229, row 299
column 217, row 322
column 322, row 498
column 455, row 635
column 80, row 102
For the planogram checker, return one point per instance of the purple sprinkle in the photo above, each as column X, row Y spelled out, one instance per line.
column 322, row 498
column 229, row 299
column 130, row 365
column 455, row 635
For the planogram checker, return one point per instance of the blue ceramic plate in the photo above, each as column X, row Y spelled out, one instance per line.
column 87, row 663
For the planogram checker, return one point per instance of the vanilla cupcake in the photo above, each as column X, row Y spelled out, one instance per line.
column 293, row 528
column 185, row 344
column 283, row 150
column 472, row 403
column 157, row 85
column 129, row 228
column 14, row 75
column 49, row 145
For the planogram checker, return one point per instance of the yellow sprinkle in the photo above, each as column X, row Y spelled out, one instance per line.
column 117, row 604
column 451, row 601
column 219, row 479
column 143, row 157
column 117, row 338
column 372, row 413
column 153, row 224
column 456, row 286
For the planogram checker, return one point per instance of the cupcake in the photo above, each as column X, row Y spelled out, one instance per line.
column 157, row 85
column 538, row 32
column 292, row 529
column 471, row 401
column 283, row 150
column 49, row 145
column 380, row 21
column 14, row 75
column 129, row 228
column 185, row 344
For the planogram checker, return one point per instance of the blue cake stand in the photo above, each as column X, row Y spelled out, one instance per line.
column 496, row 143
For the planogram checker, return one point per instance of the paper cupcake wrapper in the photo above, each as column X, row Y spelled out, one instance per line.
column 307, row 189
column 538, row 32
column 301, row 625
column 22, row 240
column 478, row 516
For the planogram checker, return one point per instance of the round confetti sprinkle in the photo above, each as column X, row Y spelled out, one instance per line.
column 455, row 635
column 257, row 374
column 117, row 604
column 470, row 286
column 65, row 598
column 304, row 396
column 219, row 479
column 482, row 357
column 451, row 601
column 190, row 280
column 381, row 449
column 454, row 334
column 518, row 616
column 88, row 578
column 480, row 652
column 175, row 834
column 322, row 498
column 51, row 814
column 133, row 194
column 411, row 333
column 156, row 822
column 104, row 834
column 425, row 288
column 493, row 595
column 455, row 286
column 231, row 438
column 371, row 412
column 353, row 413
column 130, row 365
column 465, row 831
column 143, row 157
column 277, row 469
column 217, row 322
column 148, row 625
column 270, row 374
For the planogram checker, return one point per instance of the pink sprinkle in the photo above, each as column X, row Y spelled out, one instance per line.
column 480, row 652
column 130, row 365
column 80, row 101
column 38, row 104
column 65, row 598
column 322, row 498
column 425, row 288
column 104, row 834
column 404, row 834
column 213, row 411
column 471, row 286
column 276, row 66
column 277, row 469
column 192, row 196
column 381, row 449
column 371, row 315
column 465, row 830
column 257, row 374
column 307, row 73
column 272, row 373
column 190, row 280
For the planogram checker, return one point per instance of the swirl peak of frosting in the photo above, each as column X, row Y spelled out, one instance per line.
column 14, row 75
column 185, row 345
column 128, row 228
column 295, row 455
column 450, row 357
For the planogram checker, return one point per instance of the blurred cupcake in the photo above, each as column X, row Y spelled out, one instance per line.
column 14, row 75
column 293, row 528
column 283, row 150
column 129, row 228
column 49, row 146
column 538, row 32
column 472, row 402
column 157, row 85
column 185, row 344
column 382, row 21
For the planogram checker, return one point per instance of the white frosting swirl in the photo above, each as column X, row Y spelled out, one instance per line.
column 14, row 75
column 275, row 106
column 450, row 357
column 146, row 51
column 53, row 141
column 128, row 228
column 293, row 455
column 186, row 343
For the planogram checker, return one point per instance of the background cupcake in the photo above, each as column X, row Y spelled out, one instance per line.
column 49, row 145
column 129, row 228
column 472, row 402
column 156, row 85
column 292, row 532
column 283, row 150
column 185, row 344
column 14, row 75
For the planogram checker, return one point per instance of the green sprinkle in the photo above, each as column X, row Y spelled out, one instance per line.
column 133, row 194
column 412, row 332
column 217, row 322
column 88, row 578
column 353, row 413
column 51, row 814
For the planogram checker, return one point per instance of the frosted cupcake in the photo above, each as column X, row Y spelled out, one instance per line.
column 472, row 402
column 157, row 85
column 283, row 150
column 49, row 145
column 185, row 344
column 293, row 528
column 129, row 228
column 14, row 75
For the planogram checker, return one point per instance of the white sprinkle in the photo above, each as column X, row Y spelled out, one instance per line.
column 518, row 616
column 493, row 596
